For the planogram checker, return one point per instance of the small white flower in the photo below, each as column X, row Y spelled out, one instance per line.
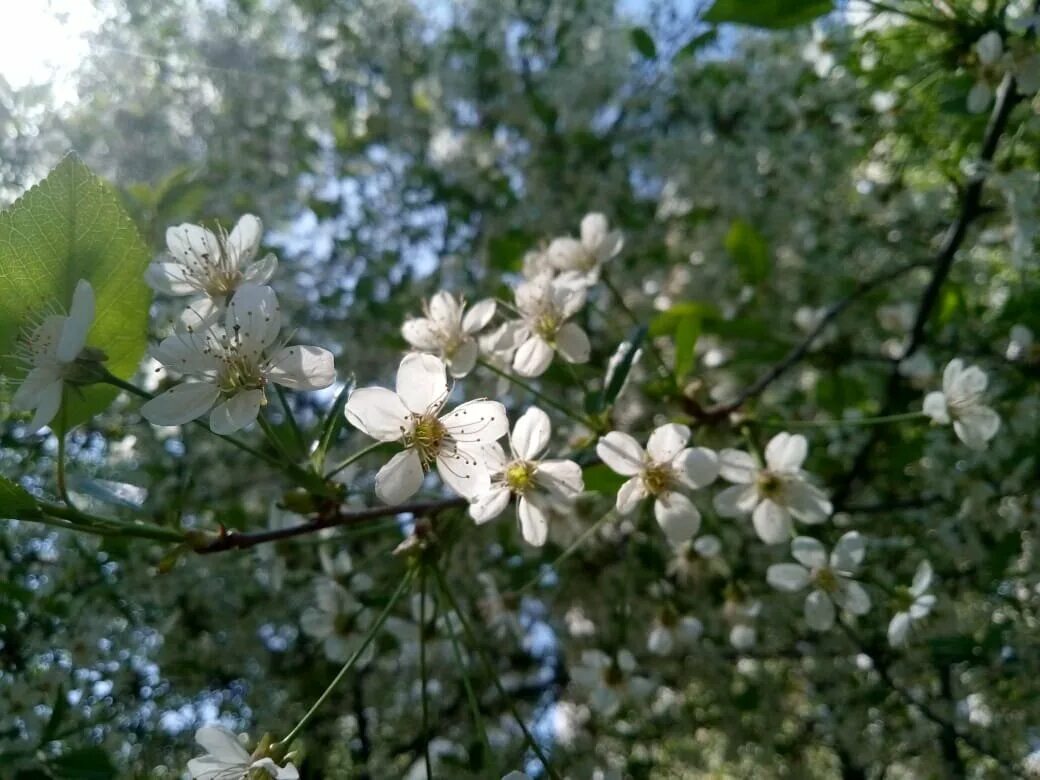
column 339, row 621
column 233, row 363
column 1020, row 343
column 583, row 258
column 545, row 305
column 455, row 441
column 774, row 493
column 667, row 634
column 662, row 470
column 226, row 759
column 609, row 682
column 961, row 401
column 49, row 350
column 831, row 579
column 449, row 330
column 918, row 602
column 534, row 481
column 203, row 264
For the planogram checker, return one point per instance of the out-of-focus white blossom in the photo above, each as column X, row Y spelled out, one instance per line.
column 449, row 330
column 960, row 402
column 226, row 759
column 545, row 306
column 584, row 257
column 918, row 605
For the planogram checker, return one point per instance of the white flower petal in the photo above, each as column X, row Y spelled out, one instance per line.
column 261, row 271
column 531, row 434
column 786, row 452
column 819, row 611
column 696, row 467
column 922, row 606
column 772, row 522
column 445, row 311
column 464, row 471
column 181, row 403
column 560, row 477
column 737, row 466
column 533, row 357
column 237, row 412
column 253, row 319
column 183, row 352
column 479, row 421
column 621, row 453
column 422, row 382
column 478, row 316
column 170, row 279
column 809, row 552
column 922, row 578
column 463, row 358
column 848, row 553
column 244, row 241
column 489, row 504
column 37, row 381
column 303, row 368
column 806, row 502
column 736, row 500
column 534, row 525
column 853, row 597
column 788, row 577
column 630, row 494
column 976, row 425
column 573, row 343
column 221, row 744
column 378, row 412
column 935, row 407
column 667, row 441
column 77, row 324
column 899, row 629
column 677, row 516
column 400, row 478
column 48, row 402
column 193, row 245
column 421, row 334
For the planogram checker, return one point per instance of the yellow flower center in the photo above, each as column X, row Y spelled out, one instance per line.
column 520, row 476
column 547, row 325
column 769, row 484
column 826, row 580
column 427, row 437
column 658, row 478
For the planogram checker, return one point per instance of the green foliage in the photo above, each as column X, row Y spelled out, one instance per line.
column 643, row 42
column 749, row 250
column 15, row 501
column 771, row 14
column 71, row 226
column 85, row 764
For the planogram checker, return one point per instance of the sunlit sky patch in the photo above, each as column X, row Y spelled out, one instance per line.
column 42, row 41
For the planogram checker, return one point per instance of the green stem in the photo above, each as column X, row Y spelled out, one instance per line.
column 272, row 437
column 568, row 552
column 333, row 422
column 541, row 396
column 291, row 418
column 292, row 735
column 474, row 705
column 489, row 666
column 103, row 526
column 651, row 347
column 884, row 420
column 422, row 675
column 63, row 427
column 351, row 458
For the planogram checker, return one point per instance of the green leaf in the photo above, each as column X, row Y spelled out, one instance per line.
column 696, row 43
column 601, row 479
column 771, row 14
column 506, row 251
column 643, row 42
column 71, row 226
column 666, row 322
column 15, row 501
column 749, row 250
column 85, row 764
column 687, row 331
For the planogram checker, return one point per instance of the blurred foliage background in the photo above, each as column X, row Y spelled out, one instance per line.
column 394, row 148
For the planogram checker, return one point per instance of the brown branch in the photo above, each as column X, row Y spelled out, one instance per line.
column 800, row 350
column 234, row 540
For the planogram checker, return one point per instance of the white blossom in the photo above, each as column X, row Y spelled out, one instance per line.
column 918, row 603
column 449, row 330
column 213, row 267
column 583, row 257
column 831, row 579
column 662, row 470
column 667, row 633
column 960, row 401
column 545, row 305
column 455, row 441
column 49, row 350
column 232, row 364
column 226, row 759
column 535, row 482
column 339, row 621
column 609, row 681
column 774, row 493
